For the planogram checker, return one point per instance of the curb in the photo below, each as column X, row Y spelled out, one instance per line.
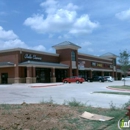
column 46, row 85
column 118, row 89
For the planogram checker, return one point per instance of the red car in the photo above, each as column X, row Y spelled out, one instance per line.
column 73, row 79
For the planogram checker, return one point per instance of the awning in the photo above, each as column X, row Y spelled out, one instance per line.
column 95, row 69
column 6, row 64
column 43, row 64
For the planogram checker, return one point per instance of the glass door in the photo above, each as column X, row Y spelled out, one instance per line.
column 4, row 78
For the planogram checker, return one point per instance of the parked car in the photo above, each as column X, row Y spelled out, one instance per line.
column 109, row 78
column 125, row 78
column 73, row 79
column 97, row 78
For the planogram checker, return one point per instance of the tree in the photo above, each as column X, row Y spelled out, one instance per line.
column 124, row 62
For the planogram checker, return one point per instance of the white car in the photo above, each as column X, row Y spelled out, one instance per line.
column 110, row 78
column 125, row 78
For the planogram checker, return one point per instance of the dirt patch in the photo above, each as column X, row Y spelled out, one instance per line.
column 37, row 117
column 48, row 116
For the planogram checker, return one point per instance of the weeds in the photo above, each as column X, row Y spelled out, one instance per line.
column 112, row 106
column 73, row 121
column 126, row 105
column 75, row 103
column 65, row 102
column 5, row 106
column 51, row 101
column 54, row 128
column 9, row 107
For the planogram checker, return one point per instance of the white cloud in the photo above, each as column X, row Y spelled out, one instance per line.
column 7, row 34
column 90, row 50
column 84, row 44
column 124, row 15
column 51, row 50
column 83, row 25
column 14, row 44
column 86, row 47
column 71, row 6
column 50, row 6
column 39, row 48
column 66, row 36
column 59, row 18
column 8, row 39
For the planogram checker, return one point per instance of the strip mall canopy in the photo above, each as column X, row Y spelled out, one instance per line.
column 44, row 64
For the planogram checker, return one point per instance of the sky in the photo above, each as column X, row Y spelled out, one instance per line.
column 98, row 26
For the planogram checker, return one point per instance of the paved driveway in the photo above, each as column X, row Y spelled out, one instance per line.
column 17, row 93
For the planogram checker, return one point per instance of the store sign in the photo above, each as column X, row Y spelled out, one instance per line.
column 81, row 65
column 99, row 65
column 33, row 57
column 94, row 64
column 111, row 66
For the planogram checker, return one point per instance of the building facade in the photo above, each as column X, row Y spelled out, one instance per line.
column 29, row 66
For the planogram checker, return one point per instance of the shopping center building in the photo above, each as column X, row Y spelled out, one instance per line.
column 20, row 65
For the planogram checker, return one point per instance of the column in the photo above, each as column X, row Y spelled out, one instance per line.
column 102, row 73
column 53, row 78
column 90, row 74
column 29, row 75
column 69, row 72
column 76, row 72
column 116, row 76
column 33, row 74
column 16, row 74
column 113, row 75
column 0, row 78
column 120, row 76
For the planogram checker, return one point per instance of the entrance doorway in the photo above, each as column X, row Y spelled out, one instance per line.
column 60, row 74
column 83, row 73
column 43, row 75
column 4, row 78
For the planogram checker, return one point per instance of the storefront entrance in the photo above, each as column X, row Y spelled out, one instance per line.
column 43, row 75
column 60, row 74
column 4, row 78
column 97, row 73
column 83, row 73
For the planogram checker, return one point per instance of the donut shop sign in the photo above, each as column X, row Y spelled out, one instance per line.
column 32, row 57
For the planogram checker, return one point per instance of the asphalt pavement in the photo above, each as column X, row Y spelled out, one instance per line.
column 60, row 93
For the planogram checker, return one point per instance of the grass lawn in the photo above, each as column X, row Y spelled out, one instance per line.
column 119, row 93
column 121, row 87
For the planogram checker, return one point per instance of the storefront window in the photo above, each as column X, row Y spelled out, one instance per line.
column 114, row 62
column 99, row 65
column 73, row 56
column 93, row 63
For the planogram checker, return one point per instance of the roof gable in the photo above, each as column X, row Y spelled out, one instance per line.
column 109, row 54
column 66, row 44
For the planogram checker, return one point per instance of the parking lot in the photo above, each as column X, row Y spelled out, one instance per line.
column 59, row 93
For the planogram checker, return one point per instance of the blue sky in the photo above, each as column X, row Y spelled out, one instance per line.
column 98, row 26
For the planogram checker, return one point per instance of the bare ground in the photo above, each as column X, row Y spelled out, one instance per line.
column 37, row 117
column 47, row 117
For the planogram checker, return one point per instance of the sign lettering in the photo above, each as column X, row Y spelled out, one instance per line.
column 31, row 56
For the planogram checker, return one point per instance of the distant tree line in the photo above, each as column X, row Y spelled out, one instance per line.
column 124, row 61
